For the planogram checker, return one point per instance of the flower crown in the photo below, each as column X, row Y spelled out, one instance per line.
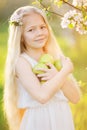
column 16, row 19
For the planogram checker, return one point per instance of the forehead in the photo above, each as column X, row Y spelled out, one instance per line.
column 33, row 19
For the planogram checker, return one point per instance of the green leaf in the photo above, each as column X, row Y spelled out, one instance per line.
column 44, row 9
column 59, row 4
column 48, row 13
column 33, row 3
column 40, row 0
column 66, row 0
column 71, row 26
column 85, row 17
column 48, row 7
column 84, row 13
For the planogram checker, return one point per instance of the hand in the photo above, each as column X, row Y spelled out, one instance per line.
column 48, row 73
column 67, row 64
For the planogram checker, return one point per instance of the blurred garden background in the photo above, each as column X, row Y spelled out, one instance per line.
column 73, row 45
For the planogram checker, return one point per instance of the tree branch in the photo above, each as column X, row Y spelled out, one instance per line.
column 71, row 5
column 58, row 13
column 50, row 11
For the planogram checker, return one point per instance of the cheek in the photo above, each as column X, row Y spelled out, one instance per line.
column 47, row 33
column 28, row 37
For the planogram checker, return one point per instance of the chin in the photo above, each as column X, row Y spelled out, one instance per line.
column 41, row 45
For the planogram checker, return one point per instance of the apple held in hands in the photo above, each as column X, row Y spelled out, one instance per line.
column 37, row 71
column 46, row 58
column 37, row 67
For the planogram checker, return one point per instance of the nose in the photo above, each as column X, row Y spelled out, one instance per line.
column 39, row 32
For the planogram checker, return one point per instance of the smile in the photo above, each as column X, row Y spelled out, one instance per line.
column 40, row 39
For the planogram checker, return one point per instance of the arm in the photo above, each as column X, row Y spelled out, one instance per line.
column 71, row 89
column 43, row 92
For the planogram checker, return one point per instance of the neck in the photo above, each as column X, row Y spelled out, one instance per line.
column 35, row 53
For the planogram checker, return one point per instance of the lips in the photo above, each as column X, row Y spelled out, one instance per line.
column 40, row 39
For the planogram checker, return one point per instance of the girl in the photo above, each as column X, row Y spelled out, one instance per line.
column 30, row 105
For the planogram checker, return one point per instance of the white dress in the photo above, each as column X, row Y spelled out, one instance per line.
column 53, row 115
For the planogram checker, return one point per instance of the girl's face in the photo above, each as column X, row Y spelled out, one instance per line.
column 35, row 31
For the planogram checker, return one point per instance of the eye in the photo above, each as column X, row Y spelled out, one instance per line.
column 43, row 27
column 30, row 30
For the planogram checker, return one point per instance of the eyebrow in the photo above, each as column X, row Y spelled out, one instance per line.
column 35, row 25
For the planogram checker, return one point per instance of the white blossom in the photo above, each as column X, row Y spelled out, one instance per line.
column 79, row 28
column 74, row 19
column 68, row 18
column 80, row 3
column 16, row 19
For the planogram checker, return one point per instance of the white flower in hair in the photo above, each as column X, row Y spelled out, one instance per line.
column 16, row 19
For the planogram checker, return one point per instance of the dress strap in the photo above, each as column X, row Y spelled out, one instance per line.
column 29, row 59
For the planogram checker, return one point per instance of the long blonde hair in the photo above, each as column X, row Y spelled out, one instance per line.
column 15, row 48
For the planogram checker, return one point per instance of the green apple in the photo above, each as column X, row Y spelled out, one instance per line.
column 46, row 58
column 58, row 64
column 37, row 66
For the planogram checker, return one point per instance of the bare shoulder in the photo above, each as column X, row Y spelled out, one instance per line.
column 21, row 64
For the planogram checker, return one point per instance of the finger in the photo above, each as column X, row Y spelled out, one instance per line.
column 42, row 75
column 45, row 78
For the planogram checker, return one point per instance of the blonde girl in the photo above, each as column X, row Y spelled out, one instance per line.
column 30, row 105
